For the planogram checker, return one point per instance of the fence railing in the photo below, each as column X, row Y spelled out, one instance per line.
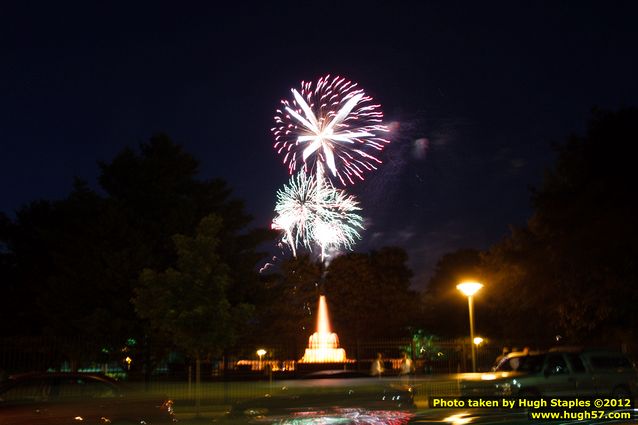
column 164, row 363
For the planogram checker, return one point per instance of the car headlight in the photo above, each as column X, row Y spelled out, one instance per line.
column 255, row 412
column 504, row 388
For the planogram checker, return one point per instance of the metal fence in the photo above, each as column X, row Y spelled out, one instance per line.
column 134, row 362
column 235, row 377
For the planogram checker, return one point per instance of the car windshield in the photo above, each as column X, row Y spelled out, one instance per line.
column 530, row 364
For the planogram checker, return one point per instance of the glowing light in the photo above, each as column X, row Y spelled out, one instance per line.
column 332, row 122
column 469, row 288
column 459, row 419
column 323, row 345
column 261, row 352
column 478, row 340
column 313, row 211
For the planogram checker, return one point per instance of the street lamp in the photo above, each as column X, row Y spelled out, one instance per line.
column 477, row 343
column 261, row 352
column 469, row 289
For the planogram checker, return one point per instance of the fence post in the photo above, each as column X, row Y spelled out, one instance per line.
column 190, row 382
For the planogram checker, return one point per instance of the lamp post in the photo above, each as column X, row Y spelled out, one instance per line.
column 477, row 343
column 469, row 289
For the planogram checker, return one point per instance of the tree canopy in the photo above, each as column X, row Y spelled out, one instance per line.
column 573, row 266
column 189, row 303
column 361, row 287
column 72, row 265
column 576, row 261
column 445, row 308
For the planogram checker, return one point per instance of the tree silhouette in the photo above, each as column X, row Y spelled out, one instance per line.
column 71, row 265
column 361, row 288
column 575, row 262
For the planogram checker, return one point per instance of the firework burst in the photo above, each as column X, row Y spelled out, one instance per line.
column 332, row 122
column 310, row 210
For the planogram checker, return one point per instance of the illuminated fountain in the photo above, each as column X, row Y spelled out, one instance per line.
column 323, row 345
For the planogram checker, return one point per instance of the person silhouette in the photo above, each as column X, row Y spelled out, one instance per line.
column 407, row 367
column 376, row 369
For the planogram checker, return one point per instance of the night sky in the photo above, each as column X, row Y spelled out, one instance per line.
column 476, row 92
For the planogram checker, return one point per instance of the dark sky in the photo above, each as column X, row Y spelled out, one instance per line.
column 489, row 85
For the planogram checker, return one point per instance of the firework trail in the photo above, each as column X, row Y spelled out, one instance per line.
column 314, row 211
column 332, row 122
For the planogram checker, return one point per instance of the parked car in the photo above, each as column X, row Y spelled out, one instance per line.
column 558, row 372
column 73, row 398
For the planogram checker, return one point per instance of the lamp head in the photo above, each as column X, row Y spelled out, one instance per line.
column 469, row 288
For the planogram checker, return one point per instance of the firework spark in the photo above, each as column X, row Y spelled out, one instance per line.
column 310, row 211
column 331, row 122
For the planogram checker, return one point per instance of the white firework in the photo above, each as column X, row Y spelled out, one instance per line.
column 311, row 211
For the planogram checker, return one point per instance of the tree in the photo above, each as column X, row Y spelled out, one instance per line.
column 158, row 193
column 361, row 287
column 72, row 265
column 189, row 303
column 520, row 285
column 576, row 260
column 286, row 312
column 160, row 196
column 445, row 308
